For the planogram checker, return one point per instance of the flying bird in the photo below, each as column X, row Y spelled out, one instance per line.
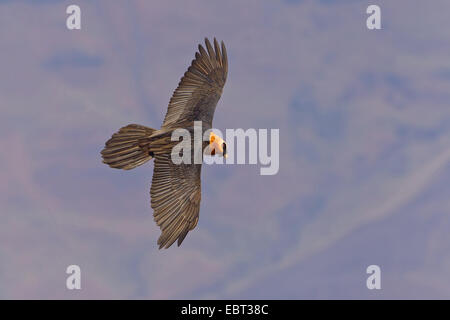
column 176, row 188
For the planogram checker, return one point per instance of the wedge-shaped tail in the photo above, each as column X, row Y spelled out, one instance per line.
column 128, row 148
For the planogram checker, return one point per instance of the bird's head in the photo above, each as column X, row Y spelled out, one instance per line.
column 217, row 145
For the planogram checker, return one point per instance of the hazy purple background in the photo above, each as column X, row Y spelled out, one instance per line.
column 364, row 121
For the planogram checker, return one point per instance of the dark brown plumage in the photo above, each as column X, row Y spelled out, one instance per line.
column 176, row 189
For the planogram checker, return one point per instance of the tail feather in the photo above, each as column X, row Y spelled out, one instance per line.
column 128, row 148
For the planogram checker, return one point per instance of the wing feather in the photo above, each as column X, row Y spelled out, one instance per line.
column 200, row 88
column 175, row 198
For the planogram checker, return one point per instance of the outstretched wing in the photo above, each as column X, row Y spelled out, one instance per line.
column 200, row 88
column 175, row 198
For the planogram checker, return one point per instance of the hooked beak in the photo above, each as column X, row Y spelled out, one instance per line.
column 224, row 148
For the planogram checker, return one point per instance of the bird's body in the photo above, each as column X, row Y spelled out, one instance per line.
column 176, row 188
